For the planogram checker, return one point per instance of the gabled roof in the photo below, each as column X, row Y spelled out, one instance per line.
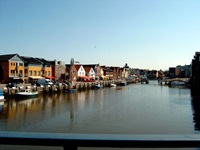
column 77, row 66
column 68, row 66
column 87, row 68
column 44, row 61
column 91, row 65
column 30, row 60
column 7, row 57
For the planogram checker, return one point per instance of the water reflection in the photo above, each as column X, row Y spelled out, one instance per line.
column 196, row 112
column 133, row 109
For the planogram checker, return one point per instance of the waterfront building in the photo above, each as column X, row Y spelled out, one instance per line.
column 152, row 74
column 96, row 68
column 11, row 68
column 178, row 71
column 46, row 68
column 89, row 71
column 58, row 69
column 195, row 79
column 80, row 72
column 125, row 72
column 71, row 70
column 116, row 72
column 172, row 72
column 33, row 68
column 108, row 73
column 183, row 71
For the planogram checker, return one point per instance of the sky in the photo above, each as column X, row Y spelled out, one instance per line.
column 145, row 34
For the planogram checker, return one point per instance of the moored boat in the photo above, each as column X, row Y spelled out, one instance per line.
column 177, row 83
column 123, row 83
column 70, row 90
column 113, row 85
column 98, row 86
column 25, row 94
column 2, row 99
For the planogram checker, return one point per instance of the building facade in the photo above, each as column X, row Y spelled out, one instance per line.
column 11, row 68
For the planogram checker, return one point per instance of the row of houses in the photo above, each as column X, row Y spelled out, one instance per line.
column 17, row 67
column 180, row 71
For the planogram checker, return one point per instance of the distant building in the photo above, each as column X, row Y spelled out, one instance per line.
column 178, row 71
column 183, row 71
column 172, row 72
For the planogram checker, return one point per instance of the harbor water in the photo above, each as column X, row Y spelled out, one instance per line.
column 132, row 109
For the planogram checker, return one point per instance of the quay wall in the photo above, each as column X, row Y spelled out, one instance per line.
column 54, row 88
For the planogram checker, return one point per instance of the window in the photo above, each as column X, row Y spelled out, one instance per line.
column 38, row 73
column 20, row 64
column 20, row 73
column 48, row 73
column 30, row 73
column 12, row 72
column 35, row 73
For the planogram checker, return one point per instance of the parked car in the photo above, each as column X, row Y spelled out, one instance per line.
column 43, row 82
column 57, row 83
column 11, row 85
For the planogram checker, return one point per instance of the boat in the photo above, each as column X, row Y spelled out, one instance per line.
column 178, row 83
column 123, row 83
column 70, row 90
column 98, row 86
column 113, row 85
column 27, row 93
column 2, row 99
column 144, row 80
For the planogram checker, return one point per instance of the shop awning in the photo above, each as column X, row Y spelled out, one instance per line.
column 84, row 77
column 35, row 77
column 49, row 77
column 91, row 77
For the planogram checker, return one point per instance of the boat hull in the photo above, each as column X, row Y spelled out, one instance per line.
column 2, row 99
column 113, row 85
column 70, row 90
column 123, row 84
column 98, row 87
column 26, row 96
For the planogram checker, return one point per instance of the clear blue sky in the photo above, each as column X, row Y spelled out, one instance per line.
column 147, row 34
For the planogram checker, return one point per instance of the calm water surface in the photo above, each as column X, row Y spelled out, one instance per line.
column 133, row 109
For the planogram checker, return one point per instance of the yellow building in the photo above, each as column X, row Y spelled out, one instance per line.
column 21, row 68
column 36, row 68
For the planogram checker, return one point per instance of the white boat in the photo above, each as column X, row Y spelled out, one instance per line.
column 98, row 86
column 2, row 99
column 178, row 83
column 26, row 94
column 113, row 85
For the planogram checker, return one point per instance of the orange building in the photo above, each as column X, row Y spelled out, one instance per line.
column 11, row 68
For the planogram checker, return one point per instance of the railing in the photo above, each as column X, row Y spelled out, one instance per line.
column 73, row 141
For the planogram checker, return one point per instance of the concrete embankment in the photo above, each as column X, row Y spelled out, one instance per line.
column 56, row 88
